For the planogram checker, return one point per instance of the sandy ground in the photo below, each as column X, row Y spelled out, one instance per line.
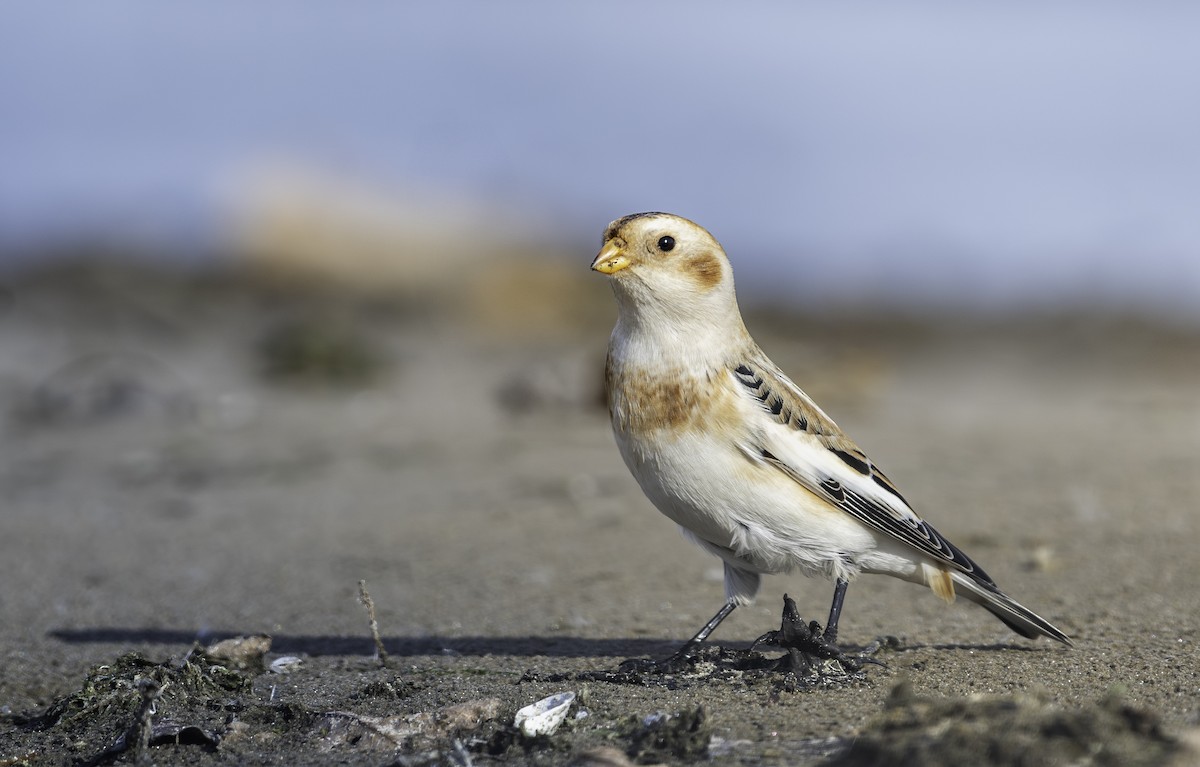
column 157, row 489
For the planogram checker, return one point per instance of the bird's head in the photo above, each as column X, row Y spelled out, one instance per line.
column 668, row 271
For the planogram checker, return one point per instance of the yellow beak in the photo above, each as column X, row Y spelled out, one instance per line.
column 612, row 258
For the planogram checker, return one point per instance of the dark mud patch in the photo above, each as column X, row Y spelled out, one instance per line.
column 1020, row 730
column 133, row 704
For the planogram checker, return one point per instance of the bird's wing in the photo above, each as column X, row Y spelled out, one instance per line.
column 817, row 454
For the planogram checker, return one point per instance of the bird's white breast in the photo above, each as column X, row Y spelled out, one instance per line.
column 686, row 437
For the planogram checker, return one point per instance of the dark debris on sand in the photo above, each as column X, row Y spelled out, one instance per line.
column 203, row 706
column 1019, row 730
column 713, row 663
column 133, row 704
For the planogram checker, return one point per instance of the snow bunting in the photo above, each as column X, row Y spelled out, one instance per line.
column 726, row 446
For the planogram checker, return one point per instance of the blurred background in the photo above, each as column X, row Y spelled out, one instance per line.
column 939, row 155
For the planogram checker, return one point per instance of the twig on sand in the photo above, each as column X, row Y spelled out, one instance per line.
column 365, row 597
column 151, row 690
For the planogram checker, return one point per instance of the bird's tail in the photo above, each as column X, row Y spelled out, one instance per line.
column 1015, row 615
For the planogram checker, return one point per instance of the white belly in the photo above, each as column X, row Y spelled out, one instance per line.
column 758, row 518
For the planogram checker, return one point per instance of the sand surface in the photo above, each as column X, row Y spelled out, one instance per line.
column 157, row 489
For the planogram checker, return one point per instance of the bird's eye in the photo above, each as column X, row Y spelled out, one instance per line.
column 666, row 243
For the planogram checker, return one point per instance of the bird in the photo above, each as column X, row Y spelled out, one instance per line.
column 725, row 445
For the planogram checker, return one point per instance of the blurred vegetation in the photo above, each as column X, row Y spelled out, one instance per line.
column 301, row 328
column 320, row 350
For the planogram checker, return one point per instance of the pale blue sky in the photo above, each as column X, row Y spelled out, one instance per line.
column 966, row 152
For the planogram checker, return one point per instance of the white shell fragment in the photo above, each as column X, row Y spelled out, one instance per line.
column 545, row 716
column 285, row 664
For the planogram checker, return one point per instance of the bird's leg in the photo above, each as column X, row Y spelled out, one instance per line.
column 707, row 628
column 680, row 655
column 835, row 610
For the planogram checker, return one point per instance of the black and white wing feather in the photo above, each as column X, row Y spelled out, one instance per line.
column 834, row 468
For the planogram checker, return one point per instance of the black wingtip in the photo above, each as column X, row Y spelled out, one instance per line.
column 1037, row 628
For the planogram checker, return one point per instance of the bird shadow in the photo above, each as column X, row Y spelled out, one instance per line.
column 318, row 644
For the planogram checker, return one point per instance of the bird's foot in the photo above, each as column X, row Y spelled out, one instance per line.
column 805, row 642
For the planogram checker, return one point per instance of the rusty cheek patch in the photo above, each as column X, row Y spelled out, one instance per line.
column 705, row 269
